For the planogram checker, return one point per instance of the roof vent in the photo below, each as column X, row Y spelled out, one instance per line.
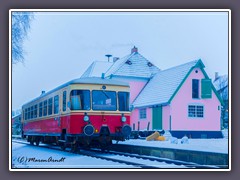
column 108, row 56
column 149, row 64
column 134, row 49
column 115, row 59
column 128, row 62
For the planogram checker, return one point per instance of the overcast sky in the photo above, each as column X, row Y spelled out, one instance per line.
column 61, row 45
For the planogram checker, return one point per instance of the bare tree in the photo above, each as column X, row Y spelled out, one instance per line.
column 221, row 84
column 20, row 27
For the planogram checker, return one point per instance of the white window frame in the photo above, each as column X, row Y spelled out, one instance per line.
column 196, row 111
column 143, row 113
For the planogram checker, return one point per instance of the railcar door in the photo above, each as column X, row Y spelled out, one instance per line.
column 63, row 109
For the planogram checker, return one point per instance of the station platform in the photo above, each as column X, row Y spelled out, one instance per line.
column 201, row 151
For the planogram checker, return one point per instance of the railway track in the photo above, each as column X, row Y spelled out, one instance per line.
column 182, row 164
column 137, row 161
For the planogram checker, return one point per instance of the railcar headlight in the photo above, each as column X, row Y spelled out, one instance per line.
column 86, row 117
column 123, row 118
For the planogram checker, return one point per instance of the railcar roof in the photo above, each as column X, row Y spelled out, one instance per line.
column 87, row 80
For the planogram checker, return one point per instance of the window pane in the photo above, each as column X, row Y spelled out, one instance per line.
column 199, row 111
column 40, row 109
column 123, row 101
column 80, row 100
column 142, row 113
column 191, row 111
column 56, row 104
column 50, row 106
column 35, row 111
column 25, row 114
column 104, row 100
column 31, row 112
column 195, row 111
column 45, row 108
column 64, row 100
column 195, row 88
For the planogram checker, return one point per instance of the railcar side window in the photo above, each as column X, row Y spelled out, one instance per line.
column 104, row 100
column 23, row 113
column 40, row 109
column 45, row 108
column 80, row 100
column 123, row 101
column 35, row 111
column 50, row 106
column 64, row 100
column 25, row 116
column 31, row 112
column 56, row 104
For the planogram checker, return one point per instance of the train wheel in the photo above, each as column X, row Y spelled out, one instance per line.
column 63, row 146
column 31, row 140
column 63, row 142
column 74, row 147
column 37, row 142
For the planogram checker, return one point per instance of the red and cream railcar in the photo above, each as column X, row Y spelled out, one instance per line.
column 85, row 111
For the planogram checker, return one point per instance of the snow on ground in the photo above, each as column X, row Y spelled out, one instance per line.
column 208, row 145
column 23, row 157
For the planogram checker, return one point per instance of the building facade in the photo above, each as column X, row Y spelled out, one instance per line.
column 180, row 99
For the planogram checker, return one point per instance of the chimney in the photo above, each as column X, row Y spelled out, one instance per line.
column 216, row 75
column 103, row 74
column 134, row 49
column 115, row 59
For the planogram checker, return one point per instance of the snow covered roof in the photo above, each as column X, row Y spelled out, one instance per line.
column 133, row 65
column 162, row 86
column 221, row 82
column 97, row 68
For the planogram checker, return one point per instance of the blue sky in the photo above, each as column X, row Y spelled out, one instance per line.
column 61, row 45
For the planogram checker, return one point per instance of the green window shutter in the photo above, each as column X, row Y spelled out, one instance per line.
column 206, row 88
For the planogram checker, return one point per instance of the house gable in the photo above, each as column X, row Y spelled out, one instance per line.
column 133, row 65
column 189, row 111
column 201, row 66
column 96, row 69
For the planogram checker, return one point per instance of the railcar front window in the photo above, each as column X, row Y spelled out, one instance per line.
column 104, row 100
column 123, row 101
column 80, row 100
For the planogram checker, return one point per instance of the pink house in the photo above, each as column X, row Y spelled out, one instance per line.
column 181, row 99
